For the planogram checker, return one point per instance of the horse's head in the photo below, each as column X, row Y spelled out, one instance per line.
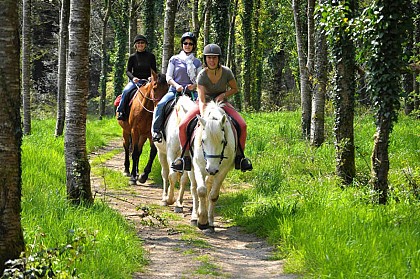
column 214, row 137
column 160, row 86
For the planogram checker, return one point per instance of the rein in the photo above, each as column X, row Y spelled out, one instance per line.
column 153, row 99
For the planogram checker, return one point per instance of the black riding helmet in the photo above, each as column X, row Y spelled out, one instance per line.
column 191, row 36
column 139, row 38
column 212, row 49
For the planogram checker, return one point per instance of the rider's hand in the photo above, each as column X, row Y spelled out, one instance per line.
column 179, row 88
column 221, row 97
column 135, row 80
column 191, row 87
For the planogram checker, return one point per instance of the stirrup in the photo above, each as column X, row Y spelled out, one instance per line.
column 157, row 136
column 242, row 163
column 181, row 164
column 121, row 116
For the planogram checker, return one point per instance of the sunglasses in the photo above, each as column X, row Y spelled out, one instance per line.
column 141, row 42
column 187, row 44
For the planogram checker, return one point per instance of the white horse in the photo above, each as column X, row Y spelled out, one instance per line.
column 213, row 157
column 168, row 150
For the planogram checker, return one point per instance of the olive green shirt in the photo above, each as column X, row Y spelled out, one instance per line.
column 212, row 90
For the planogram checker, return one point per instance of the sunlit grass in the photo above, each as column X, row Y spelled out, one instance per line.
column 114, row 250
column 323, row 231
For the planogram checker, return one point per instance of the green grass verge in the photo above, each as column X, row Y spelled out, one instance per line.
column 104, row 245
column 292, row 198
column 323, row 231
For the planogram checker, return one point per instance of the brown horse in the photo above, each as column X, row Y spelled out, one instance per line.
column 137, row 129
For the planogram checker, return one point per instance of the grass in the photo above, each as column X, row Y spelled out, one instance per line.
column 322, row 230
column 292, row 198
column 110, row 247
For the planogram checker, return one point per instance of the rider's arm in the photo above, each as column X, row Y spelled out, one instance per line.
column 130, row 66
column 201, row 98
column 169, row 76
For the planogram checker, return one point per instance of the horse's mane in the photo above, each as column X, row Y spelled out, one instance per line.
column 161, row 78
column 214, row 106
column 213, row 114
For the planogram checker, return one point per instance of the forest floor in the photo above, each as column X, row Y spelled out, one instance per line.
column 175, row 249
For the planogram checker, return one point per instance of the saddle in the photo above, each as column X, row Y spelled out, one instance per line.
column 130, row 97
column 169, row 107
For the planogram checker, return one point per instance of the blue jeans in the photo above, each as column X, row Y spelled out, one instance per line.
column 159, row 118
column 130, row 86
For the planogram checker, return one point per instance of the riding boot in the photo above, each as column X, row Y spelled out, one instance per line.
column 121, row 116
column 182, row 164
column 243, row 163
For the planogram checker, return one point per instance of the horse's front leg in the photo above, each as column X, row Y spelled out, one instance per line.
column 194, row 195
column 202, row 212
column 179, row 207
column 152, row 155
column 126, row 145
column 142, row 140
column 135, row 157
column 213, row 196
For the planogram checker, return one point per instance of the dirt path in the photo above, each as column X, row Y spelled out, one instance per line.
column 178, row 250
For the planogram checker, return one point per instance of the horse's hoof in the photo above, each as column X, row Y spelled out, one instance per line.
column 194, row 223
column 163, row 203
column 143, row 177
column 127, row 173
column 178, row 209
column 132, row 181
column 203, row 226
column 210, row 229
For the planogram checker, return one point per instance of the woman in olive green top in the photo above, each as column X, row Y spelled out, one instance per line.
column 214, row 82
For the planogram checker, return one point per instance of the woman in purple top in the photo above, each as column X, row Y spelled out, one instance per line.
column 181, row 76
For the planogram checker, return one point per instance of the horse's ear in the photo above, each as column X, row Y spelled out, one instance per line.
column 223, row 119
column 202, row 120
column 154, row 74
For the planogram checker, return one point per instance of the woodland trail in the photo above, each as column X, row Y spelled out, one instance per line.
column 175, row 249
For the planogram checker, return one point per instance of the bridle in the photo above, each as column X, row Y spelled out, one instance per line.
column 152, row 93
column 221, row 155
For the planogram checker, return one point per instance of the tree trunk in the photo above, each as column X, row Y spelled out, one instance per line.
column 168, row 33
column 206, row 31
column 320, row 83
column 385, row 76
column 220, row 20
column 120, row 23
column 104, row 61
column 11, row 240
column 134, row 9
column 149, row 24
column 247, row 52
column 230, row 49
column 62, row 64
column 26, row 65
column 305, row 86
column 257, row 60
column 77, row 163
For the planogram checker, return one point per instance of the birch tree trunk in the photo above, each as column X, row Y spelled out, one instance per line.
column 168, row 33
column 305, row 86
column 77, row 163
column 11, row 239
column 320, row 83
column 26, row 65
column 247, row 51
column 104, row 61
column 62, row 65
